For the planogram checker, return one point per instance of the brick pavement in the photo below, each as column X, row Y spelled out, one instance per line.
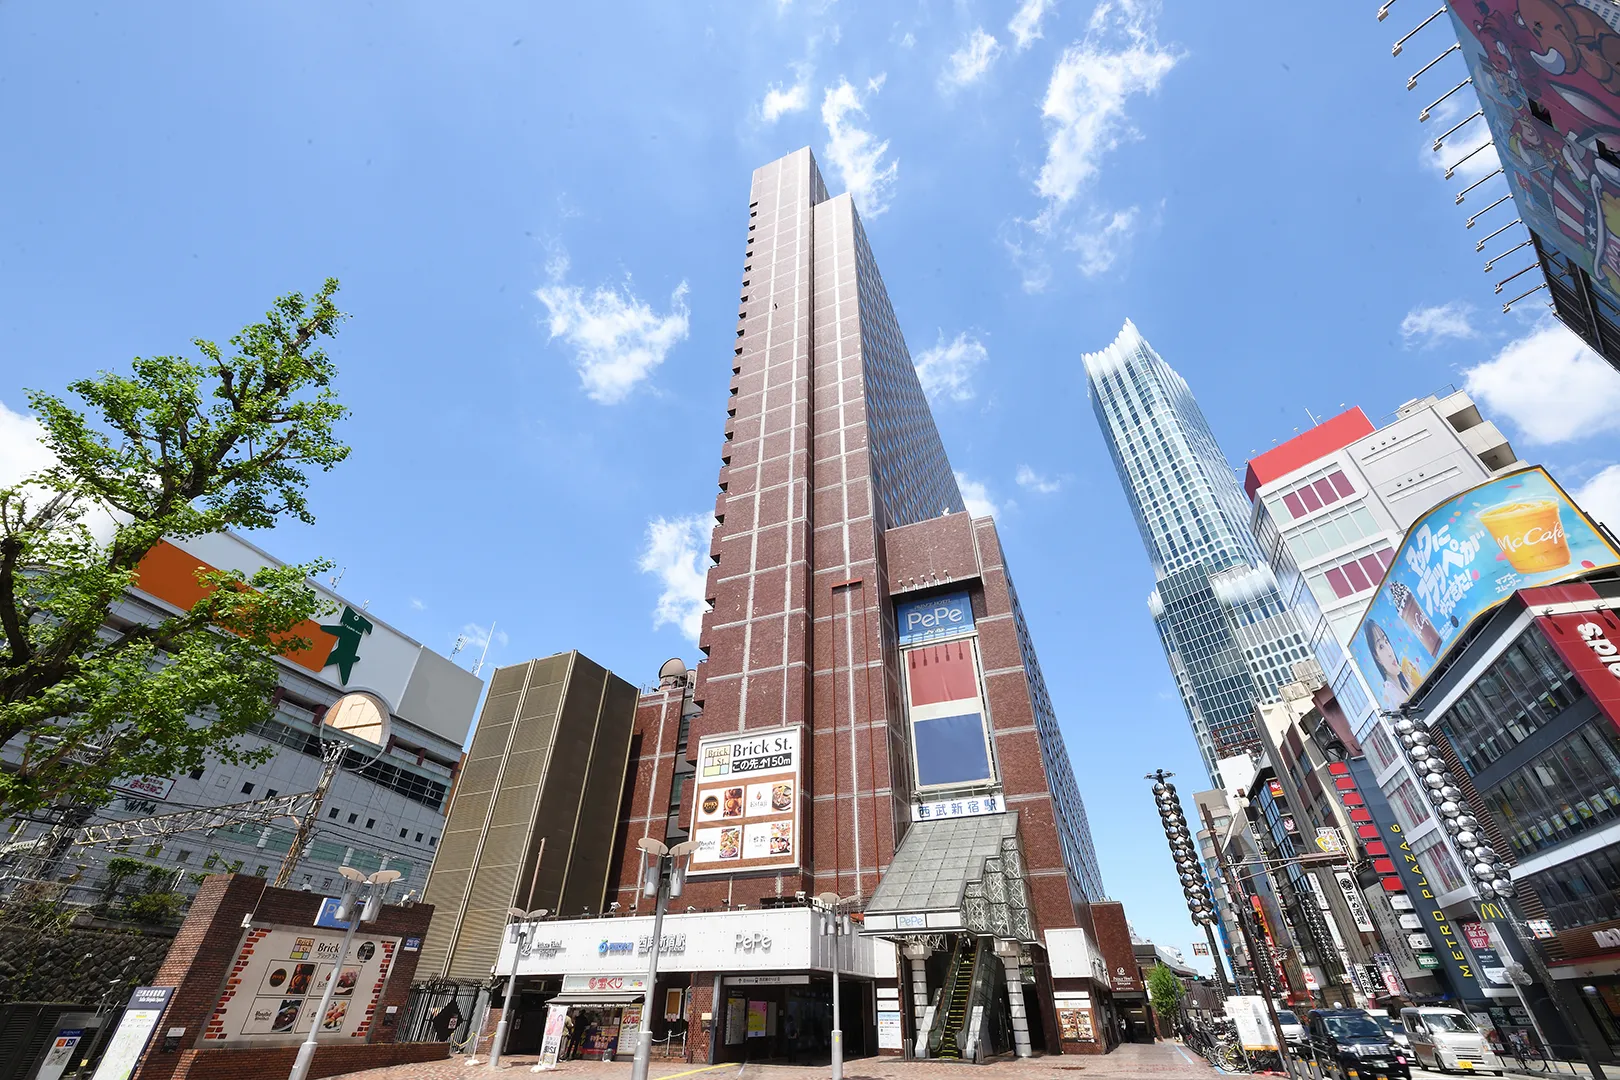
column 1163, row 1061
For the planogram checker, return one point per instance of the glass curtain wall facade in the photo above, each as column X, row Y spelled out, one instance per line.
column 1229, row 637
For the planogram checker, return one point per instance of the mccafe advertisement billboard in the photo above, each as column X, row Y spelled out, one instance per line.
column 1459, row 561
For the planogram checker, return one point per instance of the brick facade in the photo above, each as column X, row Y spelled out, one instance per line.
column 199, row 964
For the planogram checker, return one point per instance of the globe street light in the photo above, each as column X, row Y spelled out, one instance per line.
column 519, row 933
column 665, row 874
column 345, row 913
column 835, row 924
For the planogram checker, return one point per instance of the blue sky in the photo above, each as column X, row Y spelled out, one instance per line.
column 538, row 215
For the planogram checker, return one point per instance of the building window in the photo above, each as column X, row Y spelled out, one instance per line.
column 247, row 789
column 1322, row 488
column 332, row 813
column 1582, row 890
column 1438, row 861
column 432, row 840
column 418, row 838
column 353, row 818
column 1527, row 688
column 1409, row 803
column 262, row 870
column 1570, row 789
column 404, row 833
column 371, row 823
column 272, row 793
column 197, row 773
column 182, row 856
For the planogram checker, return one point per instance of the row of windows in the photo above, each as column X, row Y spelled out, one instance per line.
column 1321, row 488
column 411, row 785
column 1569, row 790
column 1582, row 890
column 1523, row 691
column 1331, row 532
column 371, row 823
column 1355, row 573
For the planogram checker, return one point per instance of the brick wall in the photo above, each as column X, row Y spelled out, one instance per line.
column 275, row 1062
column 206, row 947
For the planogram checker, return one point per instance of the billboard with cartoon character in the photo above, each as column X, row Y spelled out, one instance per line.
column 1462, row 559
column 1548, row 77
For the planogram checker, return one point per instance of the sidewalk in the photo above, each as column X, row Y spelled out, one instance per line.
column 1163, row 1061
column 1559, row 1068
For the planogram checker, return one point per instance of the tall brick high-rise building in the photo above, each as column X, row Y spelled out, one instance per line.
column 873, row 720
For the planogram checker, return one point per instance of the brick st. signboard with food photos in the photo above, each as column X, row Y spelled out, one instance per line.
column 276, row 983
column 745, row 813
column 1459, row 561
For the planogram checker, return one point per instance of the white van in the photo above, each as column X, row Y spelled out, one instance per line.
column 1446, row 1039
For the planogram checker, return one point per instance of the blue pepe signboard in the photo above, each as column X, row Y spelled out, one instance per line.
column 935, row 617
column 1459, row 561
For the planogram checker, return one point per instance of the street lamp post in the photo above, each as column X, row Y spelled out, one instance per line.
column 664, row 878
column 345, row 913
column 1200, row 905
column 835, row 924
column 519, row 933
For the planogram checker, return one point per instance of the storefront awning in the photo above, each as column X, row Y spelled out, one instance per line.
column 926, row 886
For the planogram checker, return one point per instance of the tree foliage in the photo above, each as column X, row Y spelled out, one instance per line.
column 1164, row 994
column 177, row 447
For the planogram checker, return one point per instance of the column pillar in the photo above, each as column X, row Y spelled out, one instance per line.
column 1008, row 951
column 917, row 955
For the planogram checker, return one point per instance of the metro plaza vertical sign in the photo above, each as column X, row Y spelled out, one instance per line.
column 950, row 744
column 745, row 811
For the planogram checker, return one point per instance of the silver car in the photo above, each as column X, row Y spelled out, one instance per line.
column 1293, row 1032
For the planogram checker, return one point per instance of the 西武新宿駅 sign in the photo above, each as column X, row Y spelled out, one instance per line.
column 1459, row 561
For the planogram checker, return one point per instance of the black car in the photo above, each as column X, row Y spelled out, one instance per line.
column 1349, row 1043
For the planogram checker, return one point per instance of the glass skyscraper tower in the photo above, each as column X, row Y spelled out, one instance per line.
column 1230, row 638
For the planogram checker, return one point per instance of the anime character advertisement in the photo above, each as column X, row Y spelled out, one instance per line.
column 1462, row 559
column 1548, row 77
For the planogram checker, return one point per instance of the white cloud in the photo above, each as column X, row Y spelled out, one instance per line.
column 1600, row 497
column 908, row 41
column 21, row 452
column 976, row 497
column 617, row 339
column 1550, row 385
column 1030, row 480
column 946, row 370
column 1026, row 22
column 1085, row 105
column 1470, row 138
column 968, row 64
column 1099, row 247
column 780, row 100
column 1434, row 324
column 855, row 152
column 417, row 605
column 677, row 553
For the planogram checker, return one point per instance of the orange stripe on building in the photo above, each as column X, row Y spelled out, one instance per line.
column 170, row 574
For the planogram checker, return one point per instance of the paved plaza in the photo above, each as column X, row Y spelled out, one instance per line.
column 1164, row 1060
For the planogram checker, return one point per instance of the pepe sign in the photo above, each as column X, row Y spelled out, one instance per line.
column 746, row 807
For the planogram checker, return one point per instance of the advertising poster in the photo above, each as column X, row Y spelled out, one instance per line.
column 1075, row 1025
column 1462, row 559
column 1543, row 72
column 745, row 811
column 281, row 977
column 134, row 1032
column 551, row 1042
column 736, row 1020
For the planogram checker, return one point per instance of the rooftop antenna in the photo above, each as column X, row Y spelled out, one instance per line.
column 461, row 643
column 480, row 665
column 1314, row 421
column 337, row 577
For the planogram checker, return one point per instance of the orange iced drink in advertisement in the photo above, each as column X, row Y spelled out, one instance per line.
column 1530, row 533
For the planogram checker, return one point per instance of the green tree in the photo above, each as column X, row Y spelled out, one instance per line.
column 177, row 447
column 1164, row 994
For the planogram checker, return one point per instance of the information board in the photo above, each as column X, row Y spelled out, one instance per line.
column 134, row 1032
column 1253, row 1025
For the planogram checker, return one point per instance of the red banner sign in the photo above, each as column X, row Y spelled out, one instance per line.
column 1589, row 642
